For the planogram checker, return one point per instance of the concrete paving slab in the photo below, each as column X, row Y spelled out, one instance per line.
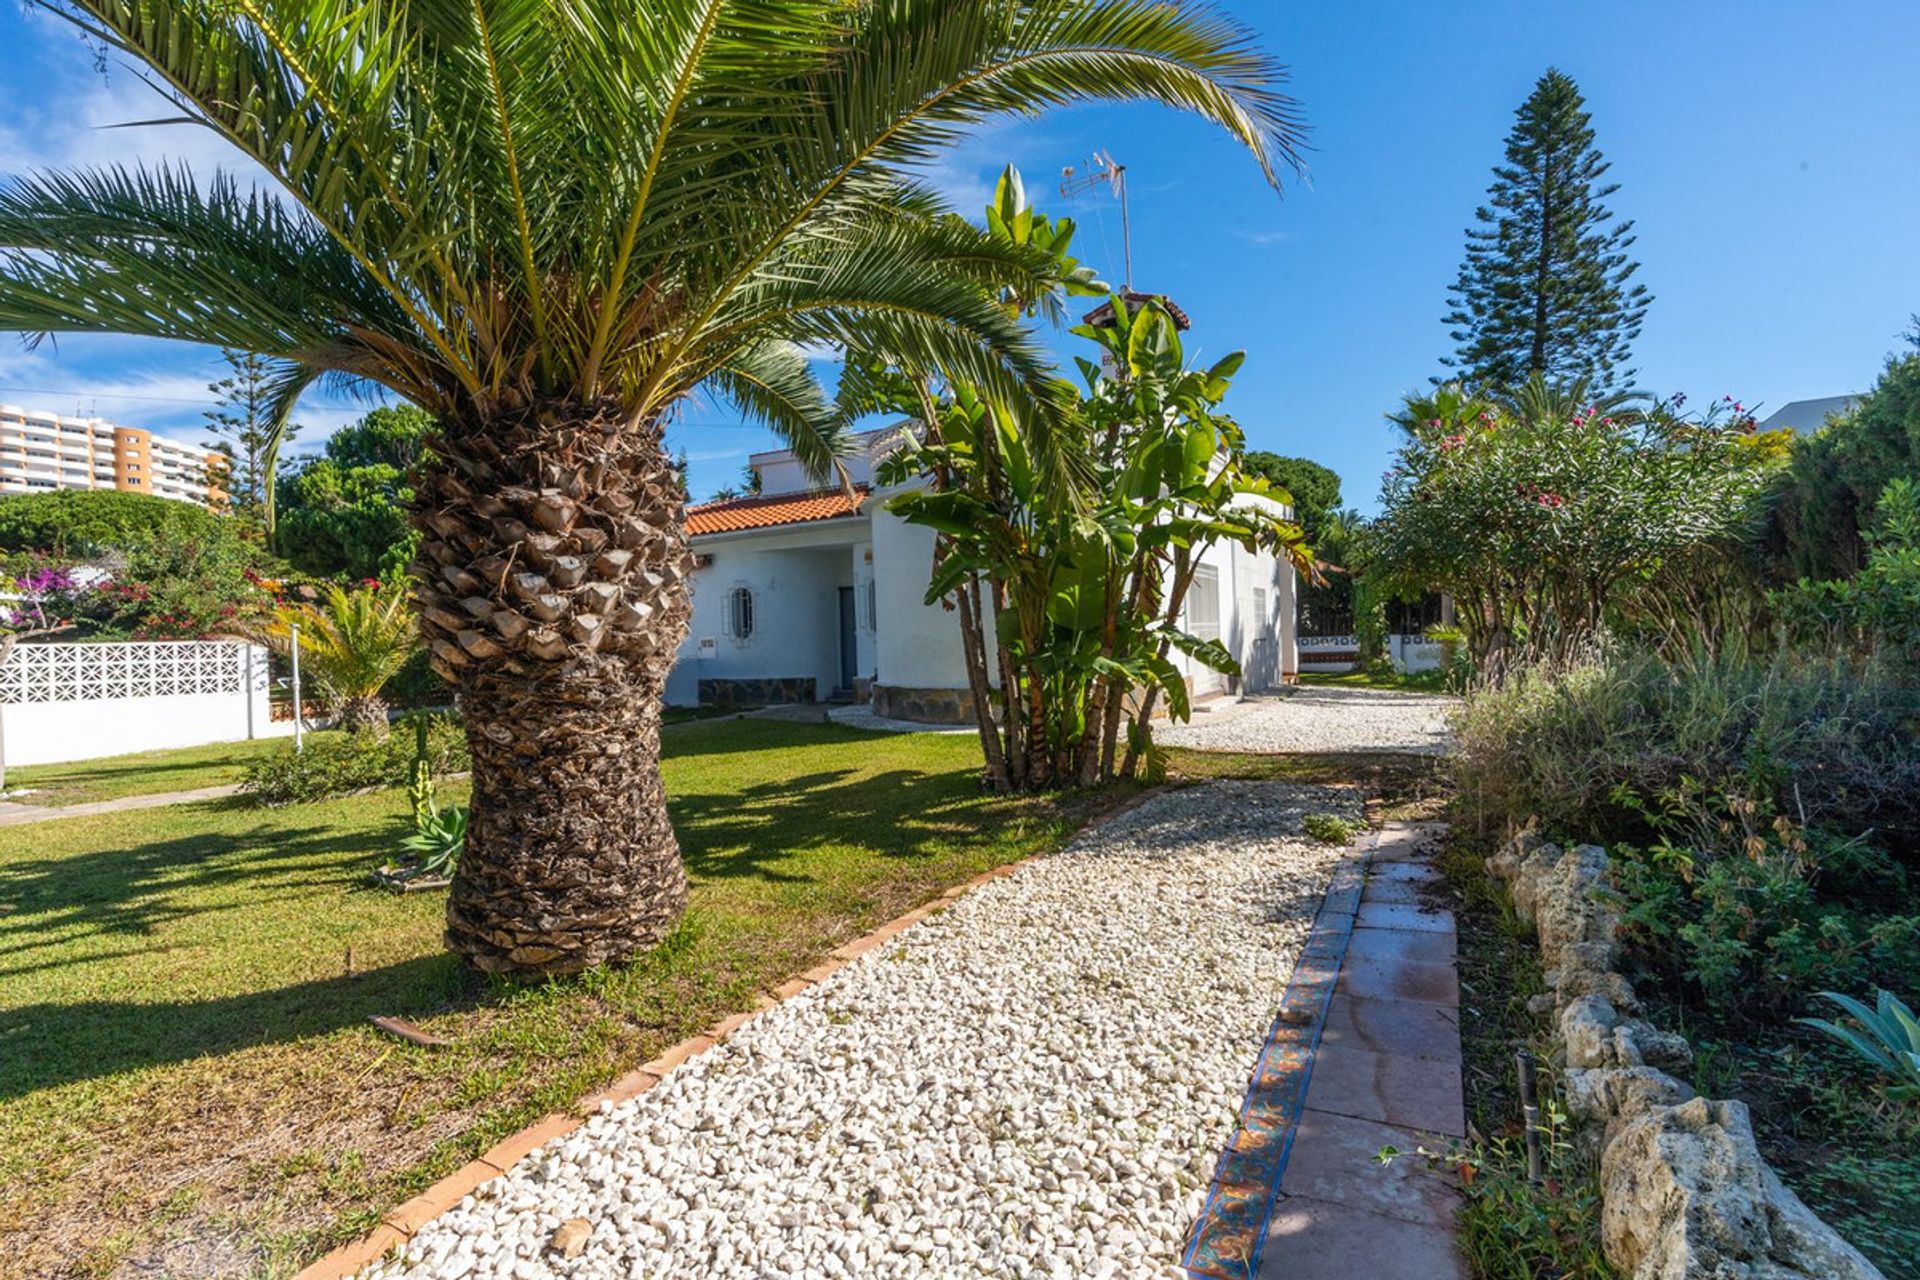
column 1394, row 979
column 1337, row 1159
column 1396, row 915
column 1417, row 946
column 1393, row 1027
column 1414, row 1093
column 1316, row 1240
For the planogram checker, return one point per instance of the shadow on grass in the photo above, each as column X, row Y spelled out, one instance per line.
column 44, row 902
column 48, row 1044
column 728, row 737
column 756, row 831
column 77, row 784
column 733, row 829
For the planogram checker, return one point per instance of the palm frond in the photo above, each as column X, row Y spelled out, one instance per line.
column 772, row 383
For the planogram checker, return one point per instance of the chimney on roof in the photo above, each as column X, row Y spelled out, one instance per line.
column 1101, row 317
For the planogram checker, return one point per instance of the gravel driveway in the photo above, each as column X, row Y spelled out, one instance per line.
column 1036, row 1082
column 1316, row 718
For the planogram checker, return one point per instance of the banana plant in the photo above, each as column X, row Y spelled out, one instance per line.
column 1087, row 588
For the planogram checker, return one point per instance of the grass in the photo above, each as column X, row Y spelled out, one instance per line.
column 1369, row 678
column 188, row 1085
column 1510, row 1229
column 1407, row 788
column 141, row 773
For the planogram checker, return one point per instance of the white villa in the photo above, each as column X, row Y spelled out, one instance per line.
column 801, row 594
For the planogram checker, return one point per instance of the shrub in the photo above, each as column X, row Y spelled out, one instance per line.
column 334, row 766
column 1330, row 828
column 82, row 523
column 1540, row 516
column 1586, row 751
column 1755, row 933
column 354, row 642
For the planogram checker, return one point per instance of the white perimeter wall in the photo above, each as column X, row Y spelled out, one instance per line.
column 56, row 722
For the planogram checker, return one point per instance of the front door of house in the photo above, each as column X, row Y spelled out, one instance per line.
column 849, row 642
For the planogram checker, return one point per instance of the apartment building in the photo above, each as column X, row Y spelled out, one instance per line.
column 40, row 451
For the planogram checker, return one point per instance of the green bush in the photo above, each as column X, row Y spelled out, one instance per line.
column 82, row 523
column 1583, row 752
column 1330, row 828
column 335, row 766
column 1755, row 934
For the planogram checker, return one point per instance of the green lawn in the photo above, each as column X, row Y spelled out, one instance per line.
column 187, row 1082
column 142, row 773
column 190, row 768
column 1416, row 681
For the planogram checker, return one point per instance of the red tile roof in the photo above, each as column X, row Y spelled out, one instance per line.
column 733, row 515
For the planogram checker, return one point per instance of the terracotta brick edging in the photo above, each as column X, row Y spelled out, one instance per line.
column 398, row 1225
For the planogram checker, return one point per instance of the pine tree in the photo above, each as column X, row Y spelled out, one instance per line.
column 1546, row 285
column 242, row 430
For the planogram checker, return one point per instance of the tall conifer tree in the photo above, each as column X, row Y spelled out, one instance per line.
column 1546, row 287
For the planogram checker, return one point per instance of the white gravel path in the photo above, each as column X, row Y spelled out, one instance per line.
column 1316, row 718
column 1034, row 1083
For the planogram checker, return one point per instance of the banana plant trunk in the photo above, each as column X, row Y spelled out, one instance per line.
column 552, row 580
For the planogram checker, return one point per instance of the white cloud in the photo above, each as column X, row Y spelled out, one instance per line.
column 86, row 123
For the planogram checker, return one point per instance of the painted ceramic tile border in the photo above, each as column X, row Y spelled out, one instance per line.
column 1226, row 1240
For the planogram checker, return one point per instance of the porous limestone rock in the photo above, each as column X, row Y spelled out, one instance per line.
column 1686, row 1196
column 1607, row 1096
column 1586, row 1031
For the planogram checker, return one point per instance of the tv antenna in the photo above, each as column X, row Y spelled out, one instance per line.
column 1104, row 170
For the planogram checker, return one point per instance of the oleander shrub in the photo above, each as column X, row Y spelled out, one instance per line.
column 336, row 766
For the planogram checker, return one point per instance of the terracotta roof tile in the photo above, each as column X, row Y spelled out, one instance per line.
column 733, row 515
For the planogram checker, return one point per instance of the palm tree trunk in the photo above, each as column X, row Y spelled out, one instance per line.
column 364, row 713
column 553, row 588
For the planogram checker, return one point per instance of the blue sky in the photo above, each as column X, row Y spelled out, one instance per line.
column 1766, row 152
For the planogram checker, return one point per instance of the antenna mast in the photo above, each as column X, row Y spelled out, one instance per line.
column 1104, row 170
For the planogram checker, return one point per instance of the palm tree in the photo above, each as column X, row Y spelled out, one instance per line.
column 547, row 222
column 353, row 644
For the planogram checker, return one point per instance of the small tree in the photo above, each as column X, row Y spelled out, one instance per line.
column 1832, row 491
column 1315, row 489
column 353, row 643
column 345, row 513
column 1546, row 288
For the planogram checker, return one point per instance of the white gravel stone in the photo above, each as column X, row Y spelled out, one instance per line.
column 1034, row 1083
column 1319, row 718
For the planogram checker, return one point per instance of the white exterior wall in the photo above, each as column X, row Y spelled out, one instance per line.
column 919, row 644
column 795, row 574
column 781, row 473
column 1265, row 647
column 60, row 702
column 795, row 578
